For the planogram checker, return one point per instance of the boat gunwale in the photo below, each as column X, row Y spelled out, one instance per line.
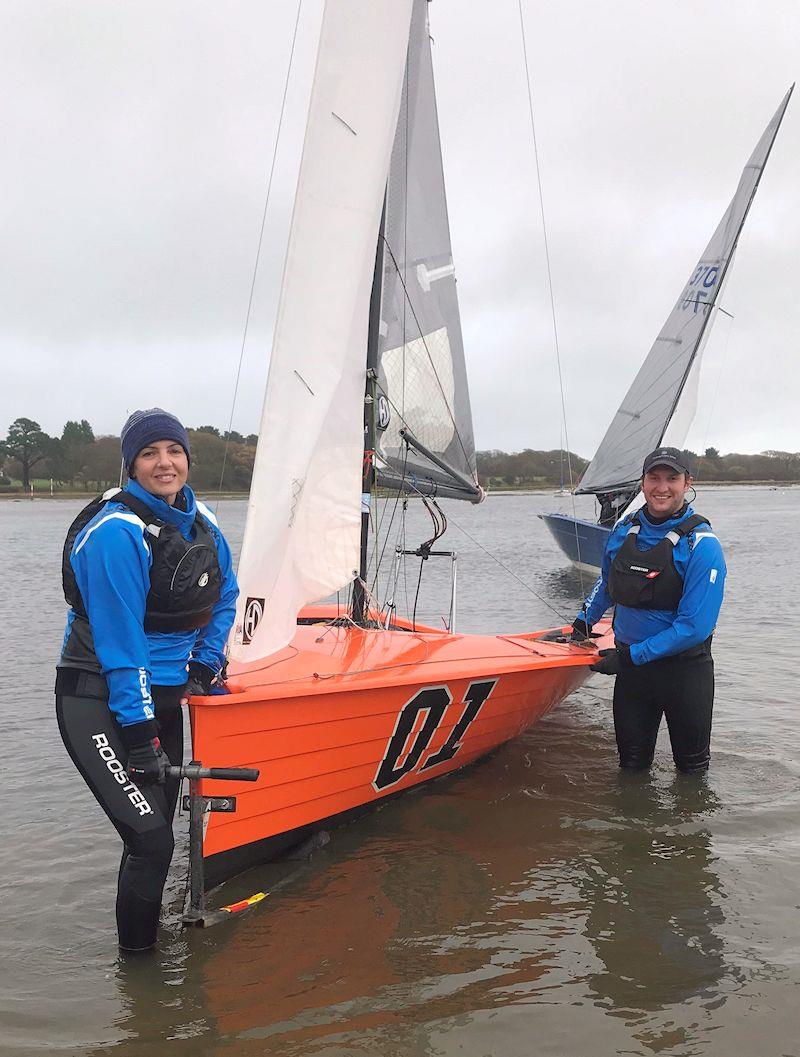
column 317, row 684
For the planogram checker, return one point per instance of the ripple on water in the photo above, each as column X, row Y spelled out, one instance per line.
column 540, row 902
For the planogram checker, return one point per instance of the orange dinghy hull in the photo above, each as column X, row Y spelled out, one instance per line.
column 345, row 716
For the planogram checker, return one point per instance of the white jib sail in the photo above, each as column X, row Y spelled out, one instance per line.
column 301, row 538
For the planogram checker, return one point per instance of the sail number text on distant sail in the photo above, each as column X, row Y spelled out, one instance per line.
column 418, row 721
column 701, row 286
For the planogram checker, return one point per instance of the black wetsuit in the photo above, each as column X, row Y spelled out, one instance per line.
column 679, row 688
column 142, row 814
column 124, row 638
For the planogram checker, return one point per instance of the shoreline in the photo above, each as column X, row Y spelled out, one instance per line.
column 522, row 490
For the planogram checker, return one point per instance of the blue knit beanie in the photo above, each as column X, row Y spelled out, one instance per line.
column 146, row 427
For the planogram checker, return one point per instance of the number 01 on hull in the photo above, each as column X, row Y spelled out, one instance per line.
column 344, row 717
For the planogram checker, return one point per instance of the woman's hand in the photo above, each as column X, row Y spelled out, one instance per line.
column 202, row 682
column 148, row 763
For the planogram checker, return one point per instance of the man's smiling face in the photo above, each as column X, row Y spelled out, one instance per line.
column 665, row 490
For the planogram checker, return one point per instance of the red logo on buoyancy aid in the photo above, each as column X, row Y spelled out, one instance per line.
column 650, row 574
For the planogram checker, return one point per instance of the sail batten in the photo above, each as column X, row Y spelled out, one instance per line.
column 646, row 417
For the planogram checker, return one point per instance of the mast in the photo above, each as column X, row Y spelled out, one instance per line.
column 359, row 608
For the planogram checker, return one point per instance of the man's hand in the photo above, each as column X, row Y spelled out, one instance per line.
column 148, row 762
column 613, row 661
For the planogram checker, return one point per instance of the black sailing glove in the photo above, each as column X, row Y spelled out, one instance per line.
column 580, row 630
column 148, row 762
column 613, row 661
column 199, row 682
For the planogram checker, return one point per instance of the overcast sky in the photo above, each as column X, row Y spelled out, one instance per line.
column 136, row 139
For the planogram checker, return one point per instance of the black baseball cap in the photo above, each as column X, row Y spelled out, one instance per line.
column 676, row 460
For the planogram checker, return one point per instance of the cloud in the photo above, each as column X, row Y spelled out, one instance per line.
column 136, row 149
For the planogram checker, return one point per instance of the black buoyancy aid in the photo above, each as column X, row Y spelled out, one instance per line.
column 185, row 576
column 648, row 579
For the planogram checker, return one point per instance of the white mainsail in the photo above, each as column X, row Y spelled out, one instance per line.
column 301, row 538
column 670, row 372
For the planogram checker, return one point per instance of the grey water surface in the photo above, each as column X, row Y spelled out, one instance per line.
column 535, row 904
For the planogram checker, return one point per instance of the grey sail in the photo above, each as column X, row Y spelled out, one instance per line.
column 644, row 415
column 421, row 375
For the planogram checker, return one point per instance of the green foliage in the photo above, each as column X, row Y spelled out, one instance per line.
column 528, row 468
column 26, row 444
column 102, row 463
column 538, row 469
column 79, row 459
column 71, row 457
column 212, row 464
column 75, row 433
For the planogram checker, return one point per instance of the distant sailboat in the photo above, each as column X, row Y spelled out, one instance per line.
column 367, row 386
column 660, row 405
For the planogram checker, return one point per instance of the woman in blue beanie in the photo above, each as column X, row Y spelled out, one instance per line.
column 152, row 595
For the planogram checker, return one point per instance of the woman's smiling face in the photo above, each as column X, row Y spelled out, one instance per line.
column 161, row 469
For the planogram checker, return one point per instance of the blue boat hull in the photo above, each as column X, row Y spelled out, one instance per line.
column 583, row 542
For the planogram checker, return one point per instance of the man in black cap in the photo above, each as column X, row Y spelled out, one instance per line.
column 664, row 572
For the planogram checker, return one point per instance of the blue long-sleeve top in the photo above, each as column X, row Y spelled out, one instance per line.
column 111, row 561
column 655, row 633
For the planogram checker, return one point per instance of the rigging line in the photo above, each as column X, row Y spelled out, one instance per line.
column 416, row 595
column 424, row 344
column 371, row 437
column 379, row 558
column 258, row 248
column 439, row 521
column 375, row 485
column 370, row 600
column 550, row 286
column 509, row 571
column 439, row 528
column 405, row 548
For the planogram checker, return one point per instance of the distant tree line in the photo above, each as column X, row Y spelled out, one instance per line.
column 80, row 461
column 528, row 468
column 543, row 469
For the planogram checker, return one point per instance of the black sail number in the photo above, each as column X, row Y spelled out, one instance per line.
column 475, row 696
column 401, row 758
column 433, row 700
